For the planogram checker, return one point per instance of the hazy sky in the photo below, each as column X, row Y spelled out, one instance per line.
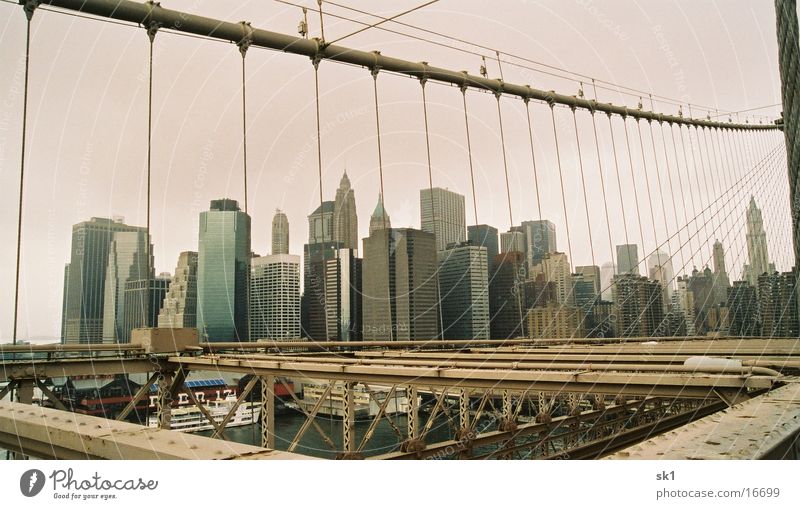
column 88, row 117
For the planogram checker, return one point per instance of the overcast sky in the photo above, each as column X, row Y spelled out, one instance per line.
column 88, row 116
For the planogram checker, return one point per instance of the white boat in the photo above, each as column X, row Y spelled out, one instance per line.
column 190, row 418
column 364, row 405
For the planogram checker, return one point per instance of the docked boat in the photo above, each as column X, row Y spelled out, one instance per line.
column 364, row 406
column 190, row 419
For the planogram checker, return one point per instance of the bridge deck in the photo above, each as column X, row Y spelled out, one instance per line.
column 55, row 434
column 765, row 427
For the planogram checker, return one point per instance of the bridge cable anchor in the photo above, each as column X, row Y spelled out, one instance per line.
column 247, row 38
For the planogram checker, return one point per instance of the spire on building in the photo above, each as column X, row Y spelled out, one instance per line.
column 379, row 219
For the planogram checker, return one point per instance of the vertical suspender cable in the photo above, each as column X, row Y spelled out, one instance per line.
column 505, row 160
column 151, row 34
column 29, row 8
column 561, row 180
column 689, row 185
column 422, row 81
column 672, row 195
column 244, row 44
column 469, row 154
column 533, row 159
column 603, row 188
column 619, row 183
column 635, row 190
column 583, row 183
column 374, row 72
column 315, row 62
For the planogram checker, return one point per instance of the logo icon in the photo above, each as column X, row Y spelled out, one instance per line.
column 31, row 482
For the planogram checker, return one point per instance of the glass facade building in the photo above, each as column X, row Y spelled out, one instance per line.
column 223, row 265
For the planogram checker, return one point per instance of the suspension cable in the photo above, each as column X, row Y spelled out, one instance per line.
column 29, row 8
column 689, row 181
column 152, row 28
column 374, row 72
column 315, row 62
column 583, row 183
column 671, row 190
column 533, row 159
column 635, row 189
column 469, row 153
column 422, row 82
column 619, row 185
column 505, row 160
column 561, row 180
column 244, row 44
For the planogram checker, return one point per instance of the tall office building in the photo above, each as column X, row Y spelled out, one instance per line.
column 84, row 292
column 464, row 288
column 380, row 218
column 540, row 239
column 316, row 313
column 777, row 297
column 180, row 303
column 320, row 223
column 555, row 268
column 506, row 296
column 280, row 233
column 607, row 272
column 701, row 284
column 584, row 292
column 721, row 281
column 142, row 301
column 628, row 259
column 223, row 272
column 513, row 241
column 659, row 267
column 757, row 253
column 64, row 299
column 343, row 295
column 591, row 273
column 683, row 299
column 483, row 235
column 640, row 312
column 442, row 212
column 127, row 261
column 399, row 282
column 345, row 219
column 275, row 297
column 745, row 319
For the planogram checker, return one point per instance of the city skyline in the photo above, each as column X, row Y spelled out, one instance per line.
column 204, row 161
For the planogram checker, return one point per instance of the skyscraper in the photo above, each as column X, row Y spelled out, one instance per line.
column 506, row 296
column 555, row 268
column 513, row 241
column 607, row 272
column 659, row 266
column 280, row 233
column 343, row 295
column 777, row 298
column 721, row 281
column 223, row 266
column 483, row 235
column 442, row 213
column 142, row 301
column 640, row 312
column 84, row 293
column 756, row 245
column 380, row 218
column 590, row 273
column 540, row 239
column 399, row 284
column 316, row 312
column 320, row 223
column 743, row 305
column 345, row 219
column 628, row 259
column 127, row 261
column 464, row 287
column 275, row 297
column 180, row 303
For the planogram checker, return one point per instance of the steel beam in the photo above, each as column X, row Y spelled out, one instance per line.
column 54, row 434
column 167, row 19
column 268, row 411
column 42, row 369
